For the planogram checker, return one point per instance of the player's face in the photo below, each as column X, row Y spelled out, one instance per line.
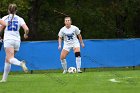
column 67, row 22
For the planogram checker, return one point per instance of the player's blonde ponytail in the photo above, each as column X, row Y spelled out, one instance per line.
column 12, row 9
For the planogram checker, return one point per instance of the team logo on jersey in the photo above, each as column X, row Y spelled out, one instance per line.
column 69, row 36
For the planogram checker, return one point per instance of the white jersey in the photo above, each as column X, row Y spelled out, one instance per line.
column 11, row 32
column 69, row 34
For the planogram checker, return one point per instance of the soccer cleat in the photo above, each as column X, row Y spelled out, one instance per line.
column 65, row 71
column 2, row 81
column 79, row 71
column 23, row 65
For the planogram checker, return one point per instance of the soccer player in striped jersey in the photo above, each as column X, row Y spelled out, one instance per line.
column 12, row 39
column 69, row 33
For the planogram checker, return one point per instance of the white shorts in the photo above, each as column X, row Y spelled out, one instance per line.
column 68, row 47
column 12, row 43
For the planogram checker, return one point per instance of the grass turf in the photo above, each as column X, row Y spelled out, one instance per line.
column 87, row 82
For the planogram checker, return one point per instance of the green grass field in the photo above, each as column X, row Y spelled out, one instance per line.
column 124, row 81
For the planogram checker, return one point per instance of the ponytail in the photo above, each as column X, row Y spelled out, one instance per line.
column 12, row 10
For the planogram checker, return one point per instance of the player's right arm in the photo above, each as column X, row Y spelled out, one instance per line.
column 25, row 27
column 60, row 35
column 59, row 42
column 26, row 31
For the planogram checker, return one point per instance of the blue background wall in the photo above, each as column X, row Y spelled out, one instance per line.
column 97, row 53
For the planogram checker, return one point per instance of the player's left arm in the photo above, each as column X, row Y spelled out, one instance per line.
column 2, row 22
column 81, row 40
column 2, row 26
column 79, row 36
column 1, row 29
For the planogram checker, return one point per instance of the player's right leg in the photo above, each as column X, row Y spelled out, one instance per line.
column 23, row 63
column 63, row 55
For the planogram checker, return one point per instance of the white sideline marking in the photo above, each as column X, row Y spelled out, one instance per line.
column 114, row 80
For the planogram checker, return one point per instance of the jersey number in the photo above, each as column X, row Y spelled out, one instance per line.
column 13, row 26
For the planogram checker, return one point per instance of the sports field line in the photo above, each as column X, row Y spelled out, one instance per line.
column 128, row 80
column 114, row 80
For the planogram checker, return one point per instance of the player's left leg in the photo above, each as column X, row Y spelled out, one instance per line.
column 7, row 68
column 78, row 58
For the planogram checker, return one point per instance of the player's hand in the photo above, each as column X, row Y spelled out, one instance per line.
column 25, row 36
column 83, row 45
column 59, row 47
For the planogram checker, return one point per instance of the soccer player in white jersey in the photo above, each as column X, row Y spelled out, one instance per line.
column 12, row 39
column 69, row 33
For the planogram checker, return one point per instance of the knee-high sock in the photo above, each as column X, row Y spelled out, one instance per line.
column 64, row 64
column 15, row 61
column 78, row 63
column 7, row 68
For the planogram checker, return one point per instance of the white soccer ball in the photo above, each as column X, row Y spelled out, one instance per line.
column 72, row 70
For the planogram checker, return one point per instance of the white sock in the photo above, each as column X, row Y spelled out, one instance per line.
column 64, row 64
column 15, row 61
column 7, row 68
column 78, row 63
